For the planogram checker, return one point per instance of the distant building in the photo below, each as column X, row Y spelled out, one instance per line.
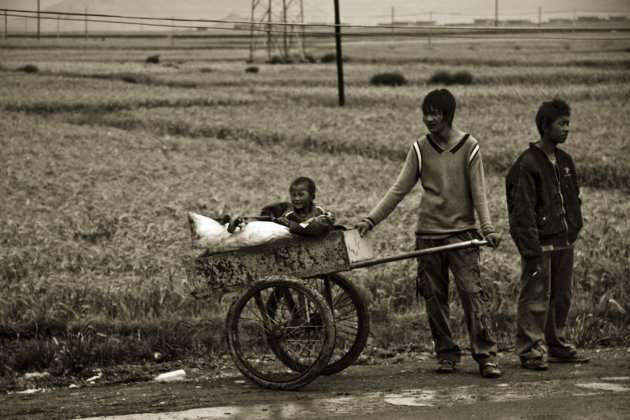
column 408, row 23
column 519, row 22
column 589, row 19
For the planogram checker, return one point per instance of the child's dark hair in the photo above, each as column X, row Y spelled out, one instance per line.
column 551, row 111
column 440, row 100
column 310, row 185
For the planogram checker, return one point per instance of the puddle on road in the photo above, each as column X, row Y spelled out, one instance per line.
column 415, row 398
column 367, row 402
column 604, row 386
column 616, row 378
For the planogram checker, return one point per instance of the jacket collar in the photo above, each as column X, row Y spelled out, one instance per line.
column 453, row 150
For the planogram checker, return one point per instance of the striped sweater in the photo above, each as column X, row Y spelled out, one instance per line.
column 454, row 188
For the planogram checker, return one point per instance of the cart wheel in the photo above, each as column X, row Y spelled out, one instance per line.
column 351, row 316
column 352, row 322
column 280, row 315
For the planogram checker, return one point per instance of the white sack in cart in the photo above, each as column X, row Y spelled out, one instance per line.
column 209, row 234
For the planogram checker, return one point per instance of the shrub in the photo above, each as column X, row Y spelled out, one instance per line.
column 441, row 77
column 388, row 79
column 332, row 57
column 131, row 78
column 446, row 78
column 329, row 58
column 276, row 59
column 309, row 58
column 29, row 68
column 153, row 59
column 251, row 69
column 462, row 78
column 206, row 70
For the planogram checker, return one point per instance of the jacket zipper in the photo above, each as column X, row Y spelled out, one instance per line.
column 564, row 213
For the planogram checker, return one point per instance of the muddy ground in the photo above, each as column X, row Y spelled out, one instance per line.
column 401, row 387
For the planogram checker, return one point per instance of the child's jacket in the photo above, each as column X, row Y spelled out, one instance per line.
column 543, row 202
column 314, row 223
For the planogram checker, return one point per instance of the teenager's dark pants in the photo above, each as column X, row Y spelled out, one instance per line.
column 433, row 275
column 543, row 304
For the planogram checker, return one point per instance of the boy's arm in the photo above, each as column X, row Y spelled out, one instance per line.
column 521, row 191
column 275, row 209
column 314, row 226
column 406, row 180
column 478, row 191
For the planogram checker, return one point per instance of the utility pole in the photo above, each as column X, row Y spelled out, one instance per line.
column 496, row 13
column 342, row 99
column 6, row 28
column 393, row 19
column 285, row 45
column 269, row 34
column 302, row 26
column 38, row 20
column 172, row 30
column 251, row 33
column 86, row 24
column 57, row 27
column 431, row 23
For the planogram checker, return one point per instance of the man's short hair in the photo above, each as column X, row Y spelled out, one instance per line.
column 303, row 180
column 551, row 111
column 440, row 100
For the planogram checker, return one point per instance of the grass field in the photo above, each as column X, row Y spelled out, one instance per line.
column 102, row 155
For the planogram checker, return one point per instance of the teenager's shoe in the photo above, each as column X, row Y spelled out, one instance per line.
column 445, row 366
column 576, row 358
column 489, row 369
column 535, row 364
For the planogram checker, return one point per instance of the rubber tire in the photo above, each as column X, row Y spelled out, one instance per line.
column 363, row 328
column 337, row 363
column 303, row 376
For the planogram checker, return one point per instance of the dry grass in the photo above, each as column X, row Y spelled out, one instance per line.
column 98, row 174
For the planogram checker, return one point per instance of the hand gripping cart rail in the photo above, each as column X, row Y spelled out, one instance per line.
column 297, row 317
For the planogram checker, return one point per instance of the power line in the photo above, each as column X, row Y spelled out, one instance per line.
column 248, row 22
column 383, row 30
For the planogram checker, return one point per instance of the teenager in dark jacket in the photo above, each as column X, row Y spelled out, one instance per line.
column 545, row 220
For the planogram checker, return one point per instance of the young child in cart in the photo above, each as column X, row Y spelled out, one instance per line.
column 301, row 215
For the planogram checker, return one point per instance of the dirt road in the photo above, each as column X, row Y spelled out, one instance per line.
column 393, row 388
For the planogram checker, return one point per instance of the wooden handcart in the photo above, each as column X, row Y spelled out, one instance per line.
column 297, row 317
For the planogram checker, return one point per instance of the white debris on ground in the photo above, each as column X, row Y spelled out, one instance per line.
column 94, row 378
column 176, row 375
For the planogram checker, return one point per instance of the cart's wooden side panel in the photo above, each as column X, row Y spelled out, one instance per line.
column 297, row 257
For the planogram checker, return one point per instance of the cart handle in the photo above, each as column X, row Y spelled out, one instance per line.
column 420, row 252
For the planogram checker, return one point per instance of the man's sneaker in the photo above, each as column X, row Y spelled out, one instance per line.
column 489, row 369
column 576, row 358
column 535, row 364
column 445, row 366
